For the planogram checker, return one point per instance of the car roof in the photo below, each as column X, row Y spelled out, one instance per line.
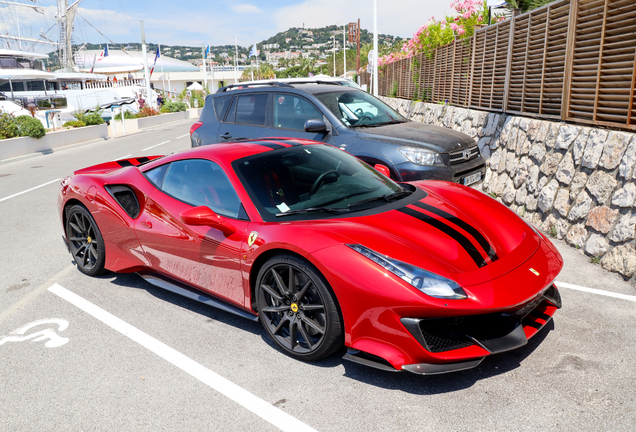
column 230, row 151
column 311, row 88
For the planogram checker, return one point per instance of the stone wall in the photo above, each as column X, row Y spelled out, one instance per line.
column 574, row 182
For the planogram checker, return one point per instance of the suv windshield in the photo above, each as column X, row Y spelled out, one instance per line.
column 358, row 108
column 317, row 180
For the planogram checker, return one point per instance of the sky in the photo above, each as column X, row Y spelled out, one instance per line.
column 217, row 22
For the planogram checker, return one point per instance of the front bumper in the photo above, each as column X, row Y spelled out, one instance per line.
column 409, row 171
column 494, row 333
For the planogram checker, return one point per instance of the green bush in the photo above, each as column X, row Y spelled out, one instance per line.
column 74, row 123
column 30, row 126
column 8, row 126
column 90, row 118
column 147, row 111
column 171, row 107
column 127, row 115
column 394, row 89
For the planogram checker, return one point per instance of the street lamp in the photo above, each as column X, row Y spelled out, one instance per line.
column 344, row 48
column 334, row 56
column 375, row 48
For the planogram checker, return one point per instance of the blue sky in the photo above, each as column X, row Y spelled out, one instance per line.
column 195, row 22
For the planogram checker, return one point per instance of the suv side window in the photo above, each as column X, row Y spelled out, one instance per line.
column 291, row 112
column 201, row 182
column 250, row 109
column 220, row 106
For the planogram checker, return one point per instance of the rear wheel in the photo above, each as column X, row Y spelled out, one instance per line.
column 297, row 308
column 85, row 241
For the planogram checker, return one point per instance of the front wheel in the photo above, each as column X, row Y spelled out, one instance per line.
column 85, row 241
column 297, row 309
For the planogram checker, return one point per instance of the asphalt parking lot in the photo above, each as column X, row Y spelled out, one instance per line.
column 116, row 353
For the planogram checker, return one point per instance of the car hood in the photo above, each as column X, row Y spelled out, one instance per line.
column 455, row 232
column 414, row 134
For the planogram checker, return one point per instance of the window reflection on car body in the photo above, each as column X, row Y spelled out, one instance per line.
column 378, row 124
column 388, row 197
column 315, row 209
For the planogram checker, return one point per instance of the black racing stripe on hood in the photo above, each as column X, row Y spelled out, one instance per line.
column 488, row 248
column 142, row 160
column 456, row 235
column 125, row 163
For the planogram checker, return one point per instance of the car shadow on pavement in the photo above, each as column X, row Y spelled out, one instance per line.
column 404, row 381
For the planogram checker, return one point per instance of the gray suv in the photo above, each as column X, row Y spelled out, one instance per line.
column 342, row 116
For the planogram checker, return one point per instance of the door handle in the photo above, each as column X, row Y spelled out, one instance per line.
column 146, row 224
column 226, row 135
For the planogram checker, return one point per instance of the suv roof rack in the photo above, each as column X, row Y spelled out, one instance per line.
column 240, row 86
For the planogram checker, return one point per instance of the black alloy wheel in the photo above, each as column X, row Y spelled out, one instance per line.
column 85, row 241
column 297, row 308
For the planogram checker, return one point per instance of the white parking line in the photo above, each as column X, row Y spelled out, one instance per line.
column 29, row 190
column 156, row 145
column 596, row 291
column 183, row 136
column 123, row 157
column 253, row 403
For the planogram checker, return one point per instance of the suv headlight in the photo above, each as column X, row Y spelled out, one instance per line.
column 422, row 157
column 425, row 281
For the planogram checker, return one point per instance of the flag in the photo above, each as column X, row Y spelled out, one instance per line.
column 104, row 53
column 253, row 52
column 207, row 52
column 157, row 55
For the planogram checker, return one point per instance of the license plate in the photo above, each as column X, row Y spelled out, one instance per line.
column 473, row 178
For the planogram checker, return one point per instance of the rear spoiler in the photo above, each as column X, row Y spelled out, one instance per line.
column 107, row 167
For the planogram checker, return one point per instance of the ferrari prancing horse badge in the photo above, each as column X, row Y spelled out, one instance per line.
column 252, row 238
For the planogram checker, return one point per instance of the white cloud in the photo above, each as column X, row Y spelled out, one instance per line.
column 398, row 19
column 246, row 9
column 196, row 26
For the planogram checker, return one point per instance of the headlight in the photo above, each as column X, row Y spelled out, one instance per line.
column 425, row 281
column 422, row 157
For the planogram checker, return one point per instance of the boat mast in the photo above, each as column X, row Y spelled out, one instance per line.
column 61, row 25
column 65, row 18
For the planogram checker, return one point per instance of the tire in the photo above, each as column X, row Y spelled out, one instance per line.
column 85, row 241
column 304, row 321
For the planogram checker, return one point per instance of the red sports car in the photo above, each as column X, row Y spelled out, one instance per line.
column 428, row 277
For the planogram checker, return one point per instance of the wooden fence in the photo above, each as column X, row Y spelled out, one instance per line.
column 569, row 60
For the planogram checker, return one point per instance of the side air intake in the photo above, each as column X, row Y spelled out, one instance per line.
column 126, row 198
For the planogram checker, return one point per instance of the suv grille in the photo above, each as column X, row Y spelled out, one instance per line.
column 463, row 156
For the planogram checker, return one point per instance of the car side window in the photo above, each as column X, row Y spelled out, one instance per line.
column 291, row 112
column 156, row 175
column 201, row 182
column 220, row 106
column 251, row 109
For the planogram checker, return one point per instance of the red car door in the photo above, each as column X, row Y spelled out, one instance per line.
column 198, row 255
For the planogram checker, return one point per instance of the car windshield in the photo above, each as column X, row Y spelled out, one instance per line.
column 313, row 180
column 357, row 108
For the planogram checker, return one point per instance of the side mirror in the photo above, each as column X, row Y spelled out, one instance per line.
column 383, row 169
column 203, row 215
column 315, row 126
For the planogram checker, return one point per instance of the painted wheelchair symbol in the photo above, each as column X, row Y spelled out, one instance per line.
column 54, row 340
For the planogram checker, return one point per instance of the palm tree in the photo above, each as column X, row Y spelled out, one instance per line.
column 364, row 53
column 265, row 71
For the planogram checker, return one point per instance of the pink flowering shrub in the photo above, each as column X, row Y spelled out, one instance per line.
column 433, row 34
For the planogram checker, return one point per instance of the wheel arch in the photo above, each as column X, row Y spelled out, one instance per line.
column 371, row 160
column 68, row 204
column 260, row 261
